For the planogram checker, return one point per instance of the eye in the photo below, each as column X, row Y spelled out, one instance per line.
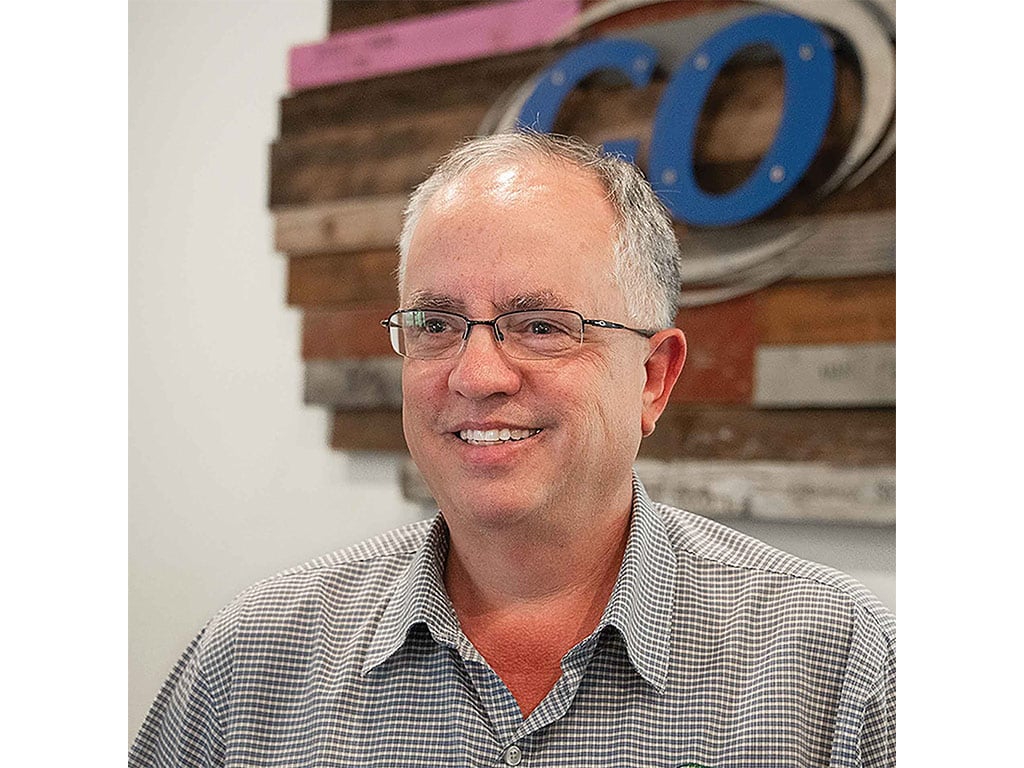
column 436, row 325
column 540, row 328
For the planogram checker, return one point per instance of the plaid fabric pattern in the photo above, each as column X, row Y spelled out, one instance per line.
column 714, row 650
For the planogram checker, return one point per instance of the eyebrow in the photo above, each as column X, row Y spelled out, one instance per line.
column 431, row 300
column 442, row 301
column 539, row 300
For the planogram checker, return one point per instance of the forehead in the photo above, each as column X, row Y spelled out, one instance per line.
column 515, row 234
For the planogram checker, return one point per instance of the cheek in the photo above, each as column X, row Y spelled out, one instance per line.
column 608, row 397
column 422, row 390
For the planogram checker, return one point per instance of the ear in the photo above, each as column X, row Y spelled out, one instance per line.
column 663, row 366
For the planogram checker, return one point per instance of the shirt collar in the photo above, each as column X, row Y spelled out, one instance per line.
column 643, row 599
column 640, row 606
column 419, row 597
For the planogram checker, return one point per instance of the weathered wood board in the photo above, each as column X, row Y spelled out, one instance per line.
column 800, row 375
column 363, row 385
column 346, row 333
column 721, row 340
column 354, row 280
column 860, row 437
column 729, row 490
column 346, row 14
column 356, row 224
column 847, row 311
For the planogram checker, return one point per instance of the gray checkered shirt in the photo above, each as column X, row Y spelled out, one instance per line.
column 714, row 650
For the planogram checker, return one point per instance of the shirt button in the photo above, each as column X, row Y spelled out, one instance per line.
column 513, row 755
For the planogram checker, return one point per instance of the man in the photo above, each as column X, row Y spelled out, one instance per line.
column 551, row 614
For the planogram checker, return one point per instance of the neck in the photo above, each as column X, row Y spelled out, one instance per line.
column 528, row 566
column 524, row 600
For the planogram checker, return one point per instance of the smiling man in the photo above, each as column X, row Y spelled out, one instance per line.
column 551, row 613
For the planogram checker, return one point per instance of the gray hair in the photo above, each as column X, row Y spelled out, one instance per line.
column 646, row 251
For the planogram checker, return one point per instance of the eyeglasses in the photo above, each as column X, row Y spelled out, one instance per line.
column 529, row 334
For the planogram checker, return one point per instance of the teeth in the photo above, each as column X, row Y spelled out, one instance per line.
column 496, row 435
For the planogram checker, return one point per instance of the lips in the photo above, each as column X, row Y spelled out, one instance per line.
column 495, row 436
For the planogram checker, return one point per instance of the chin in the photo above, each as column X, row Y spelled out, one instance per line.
column 489, row 500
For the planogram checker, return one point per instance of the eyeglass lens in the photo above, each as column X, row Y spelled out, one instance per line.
column 527, row 334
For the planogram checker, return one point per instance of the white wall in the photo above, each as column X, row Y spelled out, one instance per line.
column 230, row 476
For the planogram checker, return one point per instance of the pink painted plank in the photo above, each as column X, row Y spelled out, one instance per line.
column 429, row 40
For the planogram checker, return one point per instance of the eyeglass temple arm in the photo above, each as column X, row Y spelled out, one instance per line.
column 609, row 324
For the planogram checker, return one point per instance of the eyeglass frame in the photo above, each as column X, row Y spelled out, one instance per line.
column 499, row 338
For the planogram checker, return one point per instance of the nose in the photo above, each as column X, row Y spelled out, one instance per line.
column 482, row 369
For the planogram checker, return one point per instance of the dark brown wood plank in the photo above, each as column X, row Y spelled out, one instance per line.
column 378, row 430
column 346, row 14
column 350, row 280
column 858, row 437
column 367, row 158
column 847, row 437
column 651, row 14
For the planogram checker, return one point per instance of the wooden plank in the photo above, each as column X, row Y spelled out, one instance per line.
column 721, row 339
column 428, row 40
column 643, row 15
column 847, row 245
column 352, row 280
column 358, row 224
column 729, row 490
column 379, row 158
column 346, row 14
column 843, row 245
column 847, row 437
column 371, row 430
column 862, row 437
column 795, row 375
column 790, row 491
column 350, row 333
column 350, row 385
column 827, row 311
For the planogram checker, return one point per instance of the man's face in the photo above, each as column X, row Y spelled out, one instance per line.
column 514, row 236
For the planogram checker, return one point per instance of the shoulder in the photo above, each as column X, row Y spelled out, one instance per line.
column 738, row 564
column 359, row 572
column 346, row 586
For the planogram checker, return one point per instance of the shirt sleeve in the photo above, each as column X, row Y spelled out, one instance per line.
column 185, row 725
column 866, row 721
column 878, row 737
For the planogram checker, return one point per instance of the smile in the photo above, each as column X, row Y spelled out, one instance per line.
column 495, row 436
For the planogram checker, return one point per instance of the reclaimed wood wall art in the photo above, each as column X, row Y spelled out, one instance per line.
column 786, row 406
